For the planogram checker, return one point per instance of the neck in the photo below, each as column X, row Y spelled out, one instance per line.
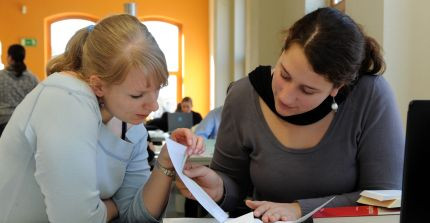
column 106, row 115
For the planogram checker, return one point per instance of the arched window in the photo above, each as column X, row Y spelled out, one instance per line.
column 61, row 30
column 168, row 37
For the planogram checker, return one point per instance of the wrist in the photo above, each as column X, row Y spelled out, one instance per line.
column 298, row 209
column 166, row 163
column 219, row 198
column 170, row 172
column 164, row 159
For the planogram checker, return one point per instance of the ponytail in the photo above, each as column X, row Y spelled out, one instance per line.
column 19, row 68
column 373, row 62
column 17, row 53
column 71, row 59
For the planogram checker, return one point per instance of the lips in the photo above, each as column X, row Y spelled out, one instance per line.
column 142, row 115
column 284, row 106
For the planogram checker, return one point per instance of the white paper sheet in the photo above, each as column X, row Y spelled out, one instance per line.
column 177, row 155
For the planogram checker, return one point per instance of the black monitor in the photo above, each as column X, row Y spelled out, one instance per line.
column 416, row 184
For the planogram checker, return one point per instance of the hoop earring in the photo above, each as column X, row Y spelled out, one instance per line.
column 334, row 105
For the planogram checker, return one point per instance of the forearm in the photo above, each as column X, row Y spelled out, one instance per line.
column 111, row 209
column 156, row 192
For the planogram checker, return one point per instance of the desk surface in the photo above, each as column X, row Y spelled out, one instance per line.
column 363, row 219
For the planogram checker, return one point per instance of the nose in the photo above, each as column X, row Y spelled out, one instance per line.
column 288, row 94
column 151, row 104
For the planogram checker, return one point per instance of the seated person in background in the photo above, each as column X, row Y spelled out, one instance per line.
column 15, row 83
column 178, row 107
column 208, row 127
column 186, row 105
column 322, row 122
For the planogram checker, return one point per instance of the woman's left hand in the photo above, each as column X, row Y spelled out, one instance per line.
column 194, row 144
column 271, row 211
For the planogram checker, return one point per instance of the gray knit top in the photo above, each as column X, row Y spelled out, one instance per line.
column 12, row 90
column 362, row 149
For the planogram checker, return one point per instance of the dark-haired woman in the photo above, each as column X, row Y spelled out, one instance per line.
column 15, row 83
column 322, row 122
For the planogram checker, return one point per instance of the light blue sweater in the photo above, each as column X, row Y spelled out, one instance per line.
column 58, row 161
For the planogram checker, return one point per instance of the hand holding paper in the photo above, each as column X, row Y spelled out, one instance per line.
column 193, row 143
column 177, row 155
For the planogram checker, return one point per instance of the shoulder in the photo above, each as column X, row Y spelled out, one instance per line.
column 196, row 114
column 240, row 88
column 4, row 75
column 72, row 85
column 31, row 75
column 240, row 99
column 371, row 93
column 371, row 86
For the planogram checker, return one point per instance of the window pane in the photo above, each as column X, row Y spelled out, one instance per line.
column 166, row 98
column 62, row 31
column 166, row 36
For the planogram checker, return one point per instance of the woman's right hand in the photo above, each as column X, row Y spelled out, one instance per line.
column 206, row 178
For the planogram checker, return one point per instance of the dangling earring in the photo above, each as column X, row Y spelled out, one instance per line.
column 334, row 105
column 101, row 102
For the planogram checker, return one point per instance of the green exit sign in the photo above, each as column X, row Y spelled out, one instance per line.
column 28, row 42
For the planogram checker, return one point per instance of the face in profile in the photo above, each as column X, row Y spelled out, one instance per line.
column 186, row 106
column 296, row 87
column 133, row 99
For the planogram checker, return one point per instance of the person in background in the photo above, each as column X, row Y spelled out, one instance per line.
column 16, row 81
column 178, row 107
column 58, row 160
column 208, row 127
column 185, row 105
column 322, row 122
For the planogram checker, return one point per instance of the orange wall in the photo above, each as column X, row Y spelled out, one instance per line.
column 193, row 15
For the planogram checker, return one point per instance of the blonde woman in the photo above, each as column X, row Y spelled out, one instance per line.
column 59, row 162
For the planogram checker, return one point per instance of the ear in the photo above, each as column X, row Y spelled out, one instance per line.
column 97, row 85
column 335, row 90
column 9, row 60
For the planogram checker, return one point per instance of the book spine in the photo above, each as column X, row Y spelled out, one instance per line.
column 347, row 212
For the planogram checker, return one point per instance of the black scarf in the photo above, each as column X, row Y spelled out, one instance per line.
column 261, row 80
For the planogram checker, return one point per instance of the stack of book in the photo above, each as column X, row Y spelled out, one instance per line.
column 383, row 206
column 357, row 214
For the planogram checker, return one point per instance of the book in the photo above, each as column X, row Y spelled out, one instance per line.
column 360, row 219
column 382, row 195
column 381, row 198
column 356, row 214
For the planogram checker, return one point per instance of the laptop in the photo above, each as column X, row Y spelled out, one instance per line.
column 416, row 186
column 179, row 120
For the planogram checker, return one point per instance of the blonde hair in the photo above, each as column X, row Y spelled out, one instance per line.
column 110, row 50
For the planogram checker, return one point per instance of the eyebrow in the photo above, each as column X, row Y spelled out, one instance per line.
column 303, row 85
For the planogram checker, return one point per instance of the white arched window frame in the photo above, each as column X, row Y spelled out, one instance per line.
column 168, row 36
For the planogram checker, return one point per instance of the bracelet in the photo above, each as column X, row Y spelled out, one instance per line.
column 164, row 170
